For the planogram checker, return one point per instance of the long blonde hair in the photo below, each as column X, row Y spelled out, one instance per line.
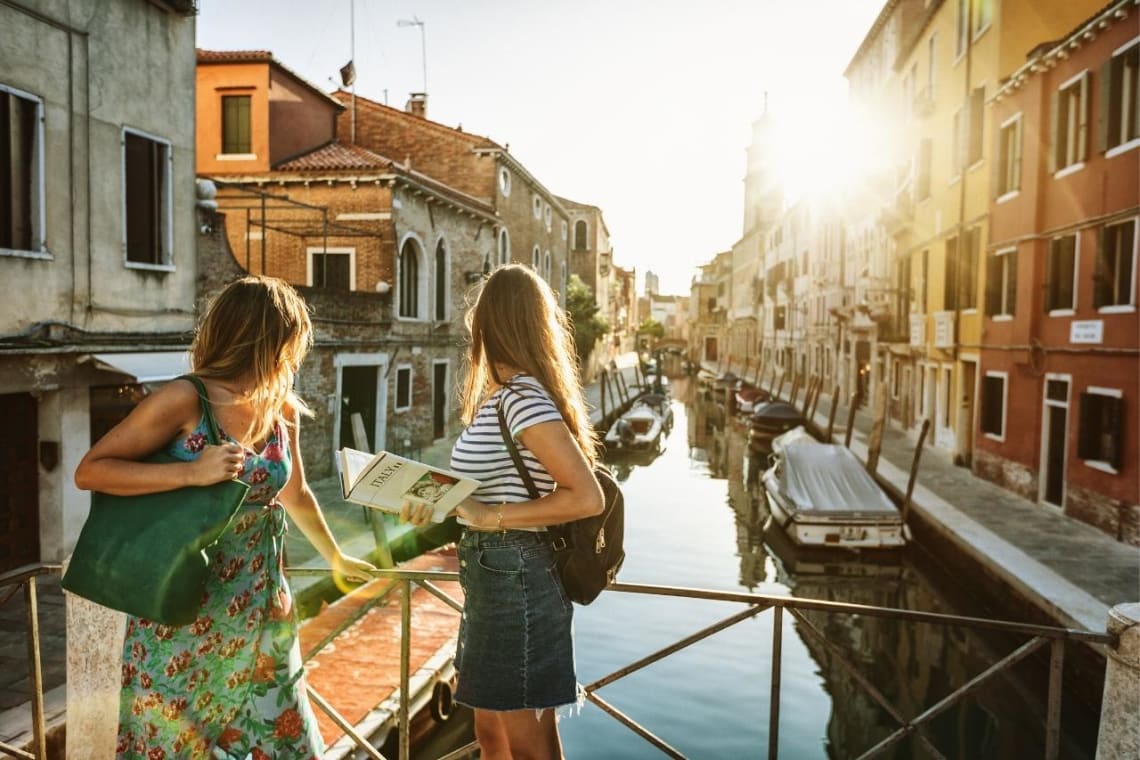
column 257, row 326
column 516, row 321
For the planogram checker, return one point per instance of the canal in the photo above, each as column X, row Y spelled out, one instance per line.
column 692, row 521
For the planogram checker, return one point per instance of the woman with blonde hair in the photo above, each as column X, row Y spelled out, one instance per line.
column 515, row 656
column 231, row 683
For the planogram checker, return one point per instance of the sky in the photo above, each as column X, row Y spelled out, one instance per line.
column 640, row 107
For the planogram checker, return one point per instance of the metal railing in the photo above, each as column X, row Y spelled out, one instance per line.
column 1041, row 635
column 10, row 584
column 405, row 581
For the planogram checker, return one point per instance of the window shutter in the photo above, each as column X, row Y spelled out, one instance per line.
column 1104, row 106
column 999, row 158
column 1015, row 152
column 1088, row 427
column 1102, row 288
column 1054, row 129
column 993, row 285
column 1011, row 279
column 1115, row 413
column 1083, row 119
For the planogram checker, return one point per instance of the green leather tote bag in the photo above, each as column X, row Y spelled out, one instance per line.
column 148, row 555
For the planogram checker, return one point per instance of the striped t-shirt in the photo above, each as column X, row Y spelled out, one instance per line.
column 480, row 453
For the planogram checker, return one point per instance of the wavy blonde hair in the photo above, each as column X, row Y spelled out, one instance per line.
column 516, row 321
column 256, row 326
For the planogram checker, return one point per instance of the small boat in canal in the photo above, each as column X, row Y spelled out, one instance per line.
column 823, row 497
column 641, row 427
column 768, row 420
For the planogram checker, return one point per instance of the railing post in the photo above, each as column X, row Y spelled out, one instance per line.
column 39, row 730
column 1119, row 735
column 405, row 665
column 774, row 700
column 1053, row 710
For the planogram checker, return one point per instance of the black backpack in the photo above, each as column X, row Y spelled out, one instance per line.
column 589, row 551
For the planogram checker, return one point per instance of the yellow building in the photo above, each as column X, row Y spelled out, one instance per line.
column 952, row 62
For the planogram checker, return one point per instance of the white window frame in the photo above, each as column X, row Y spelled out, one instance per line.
column 1128, row 145
column 1004, row 404
column 316, row 249
column 536, row 206
column 1047, row 402
column 536, row 259
column 962, row 22
column 503, row 254
column 38, row 193
column 446, row 396
column 378, row 360
column 504, row 182
column 1003, row 315
column 1010, row 194
column 1081, row 82
column 1068, row 311
column 1126, row 308
column 565, row 229
column 167, row 264
column 400, row 369
column 975, row 14
column 1100, row 464
column 422, row 312
column 547, row 265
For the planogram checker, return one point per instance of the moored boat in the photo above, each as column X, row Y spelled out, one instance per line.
column 822, row 496
column 640, row 428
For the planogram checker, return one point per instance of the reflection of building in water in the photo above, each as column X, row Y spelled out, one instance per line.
column 749, row 522
column 914, row 666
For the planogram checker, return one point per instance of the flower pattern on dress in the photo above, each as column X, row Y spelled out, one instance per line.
column 230, row 684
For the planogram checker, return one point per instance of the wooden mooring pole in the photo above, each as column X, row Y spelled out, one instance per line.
column 852, row 403
column 831, row 414
column 913, row 477
column 878, row 423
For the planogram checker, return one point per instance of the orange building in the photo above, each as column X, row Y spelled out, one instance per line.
column 1060, row 349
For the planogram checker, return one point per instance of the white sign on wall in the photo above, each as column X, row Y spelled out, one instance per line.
column 1087, row 331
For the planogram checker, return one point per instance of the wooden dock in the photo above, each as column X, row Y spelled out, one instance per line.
column 352, row 651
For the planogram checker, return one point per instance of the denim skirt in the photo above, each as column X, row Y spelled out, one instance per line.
column 516, row 648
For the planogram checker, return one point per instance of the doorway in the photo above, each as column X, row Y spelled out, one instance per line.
column 360, row 390
column 19, row 471
column 966, row 414
column 1054, row 443
column 438, row 399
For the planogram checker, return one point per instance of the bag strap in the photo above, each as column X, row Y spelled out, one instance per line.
column 509, row 442
column 207, row 411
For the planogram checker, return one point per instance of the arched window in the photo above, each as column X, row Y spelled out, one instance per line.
column 580, row 236
column 546, row 271
column 565, row 283
column 536, row 260
column 504, row 247
column 441, row 277
column 409, row 281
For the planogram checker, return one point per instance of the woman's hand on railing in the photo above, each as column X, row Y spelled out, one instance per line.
column 351, row 568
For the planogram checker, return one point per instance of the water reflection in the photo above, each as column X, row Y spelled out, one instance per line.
column 912, row 665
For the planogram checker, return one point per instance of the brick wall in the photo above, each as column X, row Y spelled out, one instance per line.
column 1006, row 473
column 1116, row 518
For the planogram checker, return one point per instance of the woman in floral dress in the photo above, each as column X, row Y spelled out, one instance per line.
column 230, row 684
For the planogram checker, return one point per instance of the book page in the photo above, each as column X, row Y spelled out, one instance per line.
column 386, row 481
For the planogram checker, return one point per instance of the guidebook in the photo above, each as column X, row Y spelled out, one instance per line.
column 385, row 481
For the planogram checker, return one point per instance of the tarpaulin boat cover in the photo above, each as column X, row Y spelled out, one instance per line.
column 823, row 477
column 776, row 410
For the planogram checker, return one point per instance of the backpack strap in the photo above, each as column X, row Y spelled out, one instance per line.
column 513, row 450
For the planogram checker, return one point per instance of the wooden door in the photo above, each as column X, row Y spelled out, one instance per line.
column 19, row 481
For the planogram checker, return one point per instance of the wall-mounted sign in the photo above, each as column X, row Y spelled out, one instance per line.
column 1087, row 331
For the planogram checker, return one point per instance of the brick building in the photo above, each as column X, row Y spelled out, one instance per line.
column 384, row 254
column 1059, row 355
column 591, row 258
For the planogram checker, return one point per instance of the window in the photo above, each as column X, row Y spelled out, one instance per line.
column 968, row 265
column 983, row 15
column 1069, row 107
column 147, row 211
column 1101, row 426
column 976, row 110
column 409, row 281
column 547, row 217
column 441, row 277
column 581, row 236
column 547, row 269
column 922, row 178
column 780, row 318
column 565, row 280
column 331, row 269
column 504, row 182
column 565, row 229
column 21, row 172
column 235, row 124
column 923, row 275
column 403, row 387
column 1061, row 267
column 536, row 206
column 993, row 405
column 931, row 49
column 1008, row 164
column 1113, row 284
column 1119, row 122
column 535, row 259
column 1001, row 283
column 958, row 145
column 963, row 26
column 504, row 247
column 950, row 276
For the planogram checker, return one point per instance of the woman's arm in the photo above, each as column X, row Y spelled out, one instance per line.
column 112, row 465
column 577, row 494
column 301, row 504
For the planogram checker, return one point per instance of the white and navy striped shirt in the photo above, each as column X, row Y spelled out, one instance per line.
column 480, row 452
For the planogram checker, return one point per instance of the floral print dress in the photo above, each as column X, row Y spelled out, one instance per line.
column 231, row 684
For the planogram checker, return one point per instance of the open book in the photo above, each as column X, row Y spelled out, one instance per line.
column 385, row 481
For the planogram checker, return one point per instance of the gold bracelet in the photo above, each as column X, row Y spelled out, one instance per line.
column 499, row 512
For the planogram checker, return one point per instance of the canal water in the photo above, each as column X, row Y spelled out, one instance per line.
column 691, row 521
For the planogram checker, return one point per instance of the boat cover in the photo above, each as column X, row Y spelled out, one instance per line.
column 824, row 477
column 776, row 410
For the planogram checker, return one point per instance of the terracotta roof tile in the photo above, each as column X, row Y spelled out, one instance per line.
column 336, row 156
column 234, row 56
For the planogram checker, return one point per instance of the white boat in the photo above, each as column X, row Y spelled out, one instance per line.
column 640, row 428
column 823, row 497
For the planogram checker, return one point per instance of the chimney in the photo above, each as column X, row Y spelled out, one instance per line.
column 417, row 104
